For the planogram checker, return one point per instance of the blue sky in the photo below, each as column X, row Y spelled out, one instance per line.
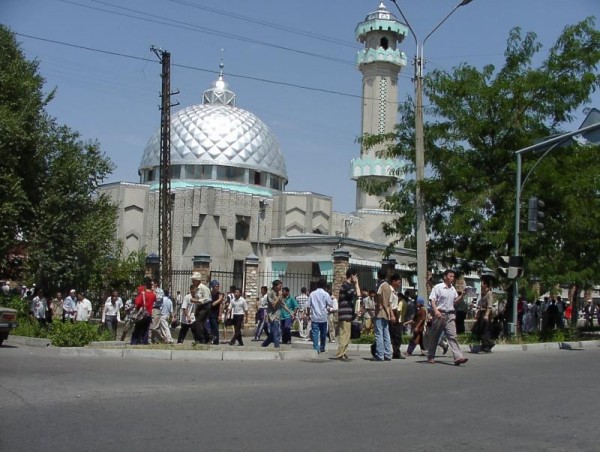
column 309, row 43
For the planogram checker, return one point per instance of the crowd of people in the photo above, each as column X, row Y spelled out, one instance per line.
column 551, row 313
column 383, row 310
column 152, row 314
column 75, row 307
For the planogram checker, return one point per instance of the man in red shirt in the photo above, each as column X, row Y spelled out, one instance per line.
column 144, row 300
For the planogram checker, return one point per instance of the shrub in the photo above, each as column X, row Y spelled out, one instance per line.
column 76, row 334
column 29, row 327
column 364, row 339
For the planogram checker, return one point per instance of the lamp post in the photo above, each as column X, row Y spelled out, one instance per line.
column 421, row 230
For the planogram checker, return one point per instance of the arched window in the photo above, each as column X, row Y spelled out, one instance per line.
column 384, row 43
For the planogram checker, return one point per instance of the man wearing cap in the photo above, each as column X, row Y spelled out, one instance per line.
column 443, row 301
column 203, row 304
column 418, row 327
column 216, row 297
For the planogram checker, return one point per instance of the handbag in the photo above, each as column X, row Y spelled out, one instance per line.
column 355, row 328
column 229, row 318
column 138, row 314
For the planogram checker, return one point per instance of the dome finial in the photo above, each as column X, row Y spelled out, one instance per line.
column 221, row 64
column 219, row 93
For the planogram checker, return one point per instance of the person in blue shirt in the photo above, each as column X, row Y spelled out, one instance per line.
column 288, row 314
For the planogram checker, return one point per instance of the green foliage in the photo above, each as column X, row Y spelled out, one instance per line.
column 48, row 183
column 76, row 334
column 16, row 302
column 477, row 119
column 29, row 327
column 364, row 339
column 122, row 273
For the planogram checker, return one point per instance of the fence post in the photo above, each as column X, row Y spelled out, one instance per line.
column 341, row 262
column 152, row 265
column 251, row 285
column 201, row 265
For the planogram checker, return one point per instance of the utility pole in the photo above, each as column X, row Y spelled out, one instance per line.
column 421, row 229
column 165, row 197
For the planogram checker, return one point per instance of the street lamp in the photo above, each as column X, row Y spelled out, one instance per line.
column 419, row 63
column 549, row 145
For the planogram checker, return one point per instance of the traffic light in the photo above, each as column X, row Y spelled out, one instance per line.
column 511, row 267
column 535, row 215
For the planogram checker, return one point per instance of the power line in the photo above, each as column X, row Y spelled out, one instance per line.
column 183, row 66
column 185, row 25
column 265, row 23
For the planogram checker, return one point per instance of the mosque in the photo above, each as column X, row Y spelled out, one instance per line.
column 229, row 181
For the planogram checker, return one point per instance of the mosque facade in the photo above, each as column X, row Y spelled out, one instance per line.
column 229, row 181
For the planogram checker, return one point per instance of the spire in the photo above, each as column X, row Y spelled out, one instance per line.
column 219, row 92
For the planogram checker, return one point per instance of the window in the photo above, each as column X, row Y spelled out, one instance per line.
column 276, row 182
column 176, row 172
column 242, row 229
column 257, row 178
column 316, row 270
column 384, row 43
column 197, row 172
column 230, row 173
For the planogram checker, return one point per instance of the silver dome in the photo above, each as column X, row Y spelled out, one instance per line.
column 219, row 134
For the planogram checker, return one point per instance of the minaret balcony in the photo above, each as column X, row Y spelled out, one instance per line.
column 380, row 25
column 381, row 55
column 365, row 167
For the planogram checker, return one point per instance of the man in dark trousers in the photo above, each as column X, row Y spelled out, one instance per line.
column 397, row 323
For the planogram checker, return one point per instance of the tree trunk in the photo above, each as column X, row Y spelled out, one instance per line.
column 575, row 289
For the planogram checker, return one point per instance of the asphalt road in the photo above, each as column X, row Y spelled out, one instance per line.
column 534, row 400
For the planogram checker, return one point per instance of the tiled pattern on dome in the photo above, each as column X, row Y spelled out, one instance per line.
column 219, row 134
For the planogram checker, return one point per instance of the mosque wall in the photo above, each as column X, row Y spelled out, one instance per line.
column 131, row 201
column 302, row 213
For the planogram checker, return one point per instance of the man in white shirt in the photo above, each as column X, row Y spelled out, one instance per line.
column 160, row 329
column 318, row 306
column 70, row 306
column 202, row 302
column 261, row 314
column 188, row 317
column 111, row 315
column 83, row 308
column 444, row 299
column 332, row 318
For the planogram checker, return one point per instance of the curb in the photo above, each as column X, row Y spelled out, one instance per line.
column 188, row 355
column 298, row 352
column 29, row 341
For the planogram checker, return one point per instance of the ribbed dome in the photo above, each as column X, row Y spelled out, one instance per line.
column 219, row 134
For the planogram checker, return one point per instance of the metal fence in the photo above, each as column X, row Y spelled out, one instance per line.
column 295, row 281
column 227, row 279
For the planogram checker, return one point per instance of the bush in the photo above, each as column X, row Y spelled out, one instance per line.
column 364, row 339
column 76, row 334
column 29, row 327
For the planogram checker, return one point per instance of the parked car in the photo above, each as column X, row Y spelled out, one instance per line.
column 8, row 321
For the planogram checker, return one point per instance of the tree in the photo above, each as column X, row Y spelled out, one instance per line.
column 48, row 182
column 477, row 119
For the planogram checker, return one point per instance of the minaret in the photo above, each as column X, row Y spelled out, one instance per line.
column 380, row 62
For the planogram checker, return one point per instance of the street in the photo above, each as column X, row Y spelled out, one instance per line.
column 526, row 400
